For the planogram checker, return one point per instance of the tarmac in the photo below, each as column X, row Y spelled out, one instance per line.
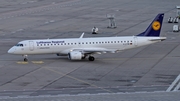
column 150, row 70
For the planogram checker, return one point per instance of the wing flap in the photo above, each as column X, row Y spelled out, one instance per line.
column 95, row 50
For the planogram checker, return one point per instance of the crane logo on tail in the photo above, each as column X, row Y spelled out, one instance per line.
column 156, row 25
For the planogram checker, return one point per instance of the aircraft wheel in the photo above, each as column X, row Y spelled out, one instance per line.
column 25, row 59
column 91, row 58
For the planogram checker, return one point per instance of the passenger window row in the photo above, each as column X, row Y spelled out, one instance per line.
column 85, row 43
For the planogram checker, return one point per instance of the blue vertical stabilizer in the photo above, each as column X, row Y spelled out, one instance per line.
column 154, row 28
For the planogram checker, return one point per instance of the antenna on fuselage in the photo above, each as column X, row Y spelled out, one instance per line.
column 81, row 35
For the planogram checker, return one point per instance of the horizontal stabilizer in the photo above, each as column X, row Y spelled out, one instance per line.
column 160, row 39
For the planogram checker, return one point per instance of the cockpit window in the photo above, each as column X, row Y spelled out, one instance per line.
column 19, row 45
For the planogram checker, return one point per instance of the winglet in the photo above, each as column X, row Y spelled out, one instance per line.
column 81, row 35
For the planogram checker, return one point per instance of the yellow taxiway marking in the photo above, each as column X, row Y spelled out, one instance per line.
column 35, row 62
column 22, row 62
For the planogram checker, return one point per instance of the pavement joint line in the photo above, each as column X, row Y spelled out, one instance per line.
column 77, row 79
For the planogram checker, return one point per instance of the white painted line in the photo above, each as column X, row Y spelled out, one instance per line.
column 84, row 94
column 22, row 96
column 46, row 22
column 173, row 83
column 4, row 97
column 19, row 30
column 141, row 92
column 13, row 32
column 177, row 87
column 51, row 21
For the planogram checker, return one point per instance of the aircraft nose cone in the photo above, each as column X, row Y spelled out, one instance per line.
column 11, row 50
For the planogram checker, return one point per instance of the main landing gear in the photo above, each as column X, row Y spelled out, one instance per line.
column 91, row 58
column 25, row 58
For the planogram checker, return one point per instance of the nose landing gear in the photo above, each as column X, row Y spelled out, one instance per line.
column 25, row 58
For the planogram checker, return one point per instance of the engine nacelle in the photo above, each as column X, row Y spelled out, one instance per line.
column 75, row 55
column 58, row 54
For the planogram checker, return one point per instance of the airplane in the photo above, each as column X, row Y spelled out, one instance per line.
column 80, row 48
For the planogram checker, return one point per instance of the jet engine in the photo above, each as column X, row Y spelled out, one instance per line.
column 58, row 54
column 75, row 55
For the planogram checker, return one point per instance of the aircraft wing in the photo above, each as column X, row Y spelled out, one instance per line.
column 96, row 50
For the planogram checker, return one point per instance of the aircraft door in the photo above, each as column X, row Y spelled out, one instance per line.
column 135, row 41
column 31, row 45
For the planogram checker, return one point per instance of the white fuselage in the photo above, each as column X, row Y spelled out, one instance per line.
column 64, row 46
